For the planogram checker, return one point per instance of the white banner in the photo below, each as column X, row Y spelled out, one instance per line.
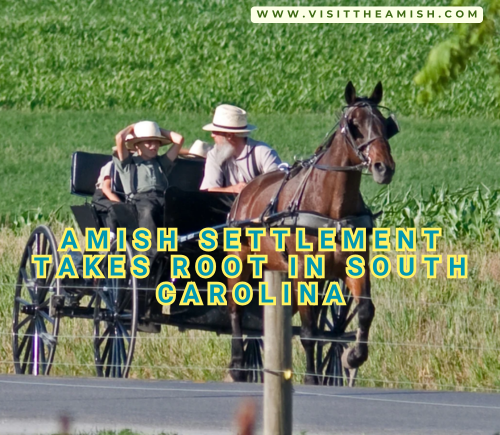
column 372, row 14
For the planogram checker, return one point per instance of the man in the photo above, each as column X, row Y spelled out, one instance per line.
column 236, row 159
column 144, row 174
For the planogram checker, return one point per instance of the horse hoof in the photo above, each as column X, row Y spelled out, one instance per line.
column 346, row 359
column 310, row 380
column 351, row 361
column 238, row 375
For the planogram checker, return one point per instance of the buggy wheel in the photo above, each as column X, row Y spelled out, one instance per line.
column 252, row 359
column 334, row 322
column 34, row 331
column 115, row 319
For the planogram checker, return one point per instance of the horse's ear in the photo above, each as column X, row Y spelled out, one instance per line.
column 376, row 96
column 350, row 94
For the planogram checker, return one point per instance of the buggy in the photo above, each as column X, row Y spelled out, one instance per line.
column 120, row 308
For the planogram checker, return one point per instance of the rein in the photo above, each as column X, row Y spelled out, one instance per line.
column 292, row 215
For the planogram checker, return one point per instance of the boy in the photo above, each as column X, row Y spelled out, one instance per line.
column 104, row 197
column 144, row 174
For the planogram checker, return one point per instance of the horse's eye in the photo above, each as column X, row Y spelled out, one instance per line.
column 355, row 131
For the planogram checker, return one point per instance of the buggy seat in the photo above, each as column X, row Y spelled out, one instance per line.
column 181, row 200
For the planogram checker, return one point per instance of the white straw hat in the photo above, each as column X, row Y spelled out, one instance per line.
column 200, row 148
column 229, row 119
column 145, row 130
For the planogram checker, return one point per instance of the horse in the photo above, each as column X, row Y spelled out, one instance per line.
column 328, row 185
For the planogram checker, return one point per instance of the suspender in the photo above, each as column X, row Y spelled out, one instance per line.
column 254, row 162
column 133, row 177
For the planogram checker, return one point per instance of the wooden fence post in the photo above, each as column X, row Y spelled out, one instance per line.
column 277, row 361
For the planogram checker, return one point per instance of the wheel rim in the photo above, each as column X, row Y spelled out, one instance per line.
column 115, row 321
column 334, row 319
column 34, row 331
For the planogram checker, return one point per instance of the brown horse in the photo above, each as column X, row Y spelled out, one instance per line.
column 327, row 184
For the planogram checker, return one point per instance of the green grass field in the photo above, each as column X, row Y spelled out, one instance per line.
column 36, row 150
column 75, row 73
column 427, row 334
column 185, row 56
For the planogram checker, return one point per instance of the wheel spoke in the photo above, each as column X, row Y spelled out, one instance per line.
column 46, row 316
column 103, row 336
column 32, row 266
column 50, row 276
column 45, row 246
column 42, row 355
column 27, row 335
column 23, row 301
column 27, row 354
column 22, row 323
column 125, row 300
column 28, row 283
column 351, row 316
column 114, row 355
column 123, row 355
column 106, row 347
column 124, row 331
column 105, row 296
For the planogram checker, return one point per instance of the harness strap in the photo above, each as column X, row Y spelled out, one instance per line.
column 356, row 168
column 311, row 221
column 314, row 221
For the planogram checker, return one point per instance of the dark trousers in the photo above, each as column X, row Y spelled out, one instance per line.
column 105, row 210
column 150, row 212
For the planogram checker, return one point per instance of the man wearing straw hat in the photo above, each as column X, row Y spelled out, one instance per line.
column 144, row 174
column 236, row 159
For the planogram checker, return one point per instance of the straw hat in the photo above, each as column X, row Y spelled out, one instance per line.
column 200, row 148
column 229, row 119
column 145, row 130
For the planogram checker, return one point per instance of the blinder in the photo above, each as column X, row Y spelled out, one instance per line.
column 391, row 126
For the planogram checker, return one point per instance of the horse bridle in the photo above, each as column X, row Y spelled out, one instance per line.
column 391, row 126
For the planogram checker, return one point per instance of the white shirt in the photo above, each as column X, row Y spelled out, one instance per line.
column 256, row 158
column 105, row 172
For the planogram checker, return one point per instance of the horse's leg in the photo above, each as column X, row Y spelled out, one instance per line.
column 236, row 316
column 360, row 289
column 308, row 334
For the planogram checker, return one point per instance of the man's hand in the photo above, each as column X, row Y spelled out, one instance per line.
column 237, row 188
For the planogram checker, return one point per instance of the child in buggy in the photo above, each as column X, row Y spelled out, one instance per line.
column 104, row 197
column 144, row 174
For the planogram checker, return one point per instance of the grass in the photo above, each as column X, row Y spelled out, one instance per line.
column 431, row 334
column 185, row 56
column 36, row 150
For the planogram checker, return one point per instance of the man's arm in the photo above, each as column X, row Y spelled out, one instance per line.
column 213, row 178
column 177, row 141
column 121, row 149
column 237, row 188
column 106, row 189
column 268, row 159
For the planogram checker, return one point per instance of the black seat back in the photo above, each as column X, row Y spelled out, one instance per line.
column 187, row 173
column 192, row 211
column 85, row 170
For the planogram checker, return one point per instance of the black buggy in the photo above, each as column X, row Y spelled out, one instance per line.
column 119, row 308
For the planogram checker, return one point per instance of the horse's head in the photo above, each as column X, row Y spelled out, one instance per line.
column 368, row 132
